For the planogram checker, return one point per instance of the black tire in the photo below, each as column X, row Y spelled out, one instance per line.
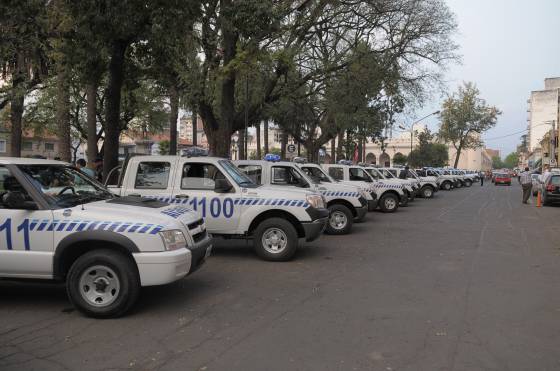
column 468, row 183
column 120, row 272
column 446, row 186
column 427, row 192
column 285, row 232
column 459, row 184
column 389, row 203
column 344, row 213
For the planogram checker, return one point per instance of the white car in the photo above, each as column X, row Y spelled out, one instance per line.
column 58, row 224
column 232, row 205
column 344, row 202
column 426, row 186
column 388, row 195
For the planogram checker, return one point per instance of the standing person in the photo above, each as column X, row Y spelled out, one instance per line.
column 482, row 178
column 98, row 166
column 81, row 165
column 526, row 184
column 404, row 174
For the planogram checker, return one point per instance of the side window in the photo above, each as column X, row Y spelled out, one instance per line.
column 8, row 183
column 357, row 174
column 284, row 175
column 555, row 180
column 252, row 171
column 152, row 175
column 200, row 176
column 336, row 172
column 394, row 172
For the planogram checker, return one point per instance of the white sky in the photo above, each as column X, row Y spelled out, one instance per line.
column 508, row 48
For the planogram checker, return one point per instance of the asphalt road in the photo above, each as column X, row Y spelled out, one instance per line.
column 469, row 280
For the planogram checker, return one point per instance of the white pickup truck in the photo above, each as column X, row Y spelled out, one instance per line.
column 58, row 224
column 345, row 203
column 232, row 205
column 388, row 195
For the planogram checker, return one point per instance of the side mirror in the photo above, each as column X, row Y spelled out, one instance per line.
column 16, row 200
column 222, row 186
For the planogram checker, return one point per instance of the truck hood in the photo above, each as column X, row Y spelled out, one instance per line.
column 119, row 210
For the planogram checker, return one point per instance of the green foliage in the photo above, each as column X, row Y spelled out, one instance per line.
column 464, row 117
column 400, row 159
column 512, row 160
column 428, row 153
column 497, row 163
column 163, row 147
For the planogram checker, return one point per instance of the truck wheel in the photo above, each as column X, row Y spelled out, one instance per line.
column 389, row 203
column 275, row 240
column 468, row 183
column 427, row 192
column 446, row 186
column 459, row 184
column 340, row 220
column 103, row 283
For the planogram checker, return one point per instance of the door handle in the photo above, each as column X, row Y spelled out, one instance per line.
column 182, row 196
column 135, row 195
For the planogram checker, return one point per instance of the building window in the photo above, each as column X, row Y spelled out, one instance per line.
column 2, row 146
column 277, row 136
column 27, row 146
column 49, row 147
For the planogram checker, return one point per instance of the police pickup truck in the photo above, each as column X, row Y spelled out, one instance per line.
column 410, row 188
column 232, row 205
column 427, row 185
column 389, row 195
column 58, row 224
column 345, row 203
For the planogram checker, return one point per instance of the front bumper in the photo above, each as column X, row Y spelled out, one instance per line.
column 315, row 228
column 160, row 268
column 372, row 204
column 361, row 212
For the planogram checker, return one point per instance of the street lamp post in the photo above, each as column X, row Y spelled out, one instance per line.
column 414, row 123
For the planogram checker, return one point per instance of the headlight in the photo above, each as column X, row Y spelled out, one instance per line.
column 173, row 239
column 316, row 201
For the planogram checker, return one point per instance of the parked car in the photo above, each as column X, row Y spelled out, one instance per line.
column 550, row 188
column 502, row 178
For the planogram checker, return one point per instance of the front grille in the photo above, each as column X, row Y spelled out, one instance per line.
column 373, row 195
column 363, row 201
column 199, row 236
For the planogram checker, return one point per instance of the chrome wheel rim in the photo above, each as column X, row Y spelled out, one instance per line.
column 338, row 220
column 427, row 193
column 274, row 240
column 390, row 203
column 99, row 286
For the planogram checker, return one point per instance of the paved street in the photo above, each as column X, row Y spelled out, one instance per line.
column 467, row 281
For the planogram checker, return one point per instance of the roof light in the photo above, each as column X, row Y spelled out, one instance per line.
column 299, row 160
column 271, row 157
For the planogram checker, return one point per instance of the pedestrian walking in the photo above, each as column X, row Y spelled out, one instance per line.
column 481, row 179
column 526, row 184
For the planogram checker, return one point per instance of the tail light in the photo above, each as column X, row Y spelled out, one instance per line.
column 550, row 187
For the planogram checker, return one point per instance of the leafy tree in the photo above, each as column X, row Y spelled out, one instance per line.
column 400, row 159
column 464, row 117
column 428, row 153
column 497, row 163
column 164, row 146
column 512, row 160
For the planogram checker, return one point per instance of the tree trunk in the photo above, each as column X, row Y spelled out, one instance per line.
column 265, row 134
column 283, row 142
column 241, row 145
column 457, row 156
column 173, row 115
column 91, row 92
column 258, row 133
column 333, row 150
column 63, row 114
column 113, row 107
column 17, row 101
column 360, row 149
column 339, row 154
column 194, row 127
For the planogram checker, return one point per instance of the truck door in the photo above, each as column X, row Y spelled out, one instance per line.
column 150, row 178
column 194, row 187
column 26, row 236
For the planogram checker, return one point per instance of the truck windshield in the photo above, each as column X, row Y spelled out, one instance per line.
column 237, row 175
column 63, row 186
column 316, row 174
